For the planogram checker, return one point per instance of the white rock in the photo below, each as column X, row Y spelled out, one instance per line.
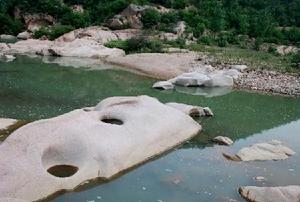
column 259, row 178
column 9, row 58
column 30, row 46
column 273, row 150
column 190, row 110
column 7, row 37
column 240, row 68
column 219, row 80
column 83, row 48
column 6, row 123
column 89, row 142
column 192, row 79
column 24, row 35
column 208, row 111
column 233, row 73
column 164, row 85
column 223, row 140
column 271, row 194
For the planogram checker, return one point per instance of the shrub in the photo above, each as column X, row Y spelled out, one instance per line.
column 258, row 43
column 139, row 44
column 207, row 40
column 150, row 18
column 53, row 32
column 296, row 59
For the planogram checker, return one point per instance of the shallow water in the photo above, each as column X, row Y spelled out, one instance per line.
column 197, row 171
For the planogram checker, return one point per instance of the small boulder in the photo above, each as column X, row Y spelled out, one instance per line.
column 273, row 150
column 193, row 111
column 192, row 79
column 7, row 37
column 163, row 85
column 240, row 68
column 223, row 140
column 179, row 29
column 219, row 80
column 270, row 194
column 6, row 123
column 24, row 35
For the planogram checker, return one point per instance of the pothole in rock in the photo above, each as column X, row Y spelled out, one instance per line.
column 112, row 121
column 62, row 170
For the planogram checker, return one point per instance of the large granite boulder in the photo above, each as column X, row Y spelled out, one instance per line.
column 83, row 48
column 61, row 153
column 101, row 35
column 76, row 48
column 271, row 194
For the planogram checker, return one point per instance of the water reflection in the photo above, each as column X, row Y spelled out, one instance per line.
column 31, row 90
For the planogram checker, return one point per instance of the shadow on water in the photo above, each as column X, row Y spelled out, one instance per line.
column 31, row 90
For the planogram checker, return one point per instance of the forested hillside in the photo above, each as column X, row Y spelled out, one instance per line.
column 229, row 21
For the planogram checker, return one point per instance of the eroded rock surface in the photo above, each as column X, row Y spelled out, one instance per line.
column 273, row 150
column 271, row 194
column 100, row 141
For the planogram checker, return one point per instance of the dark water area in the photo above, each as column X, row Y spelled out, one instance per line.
column 196, row 171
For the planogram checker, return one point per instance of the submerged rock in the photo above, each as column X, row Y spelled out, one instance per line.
column 271, row 194
column 273, row 150
column 194, row 111
column 223, row 140
column 63, row 152
column 164, row 85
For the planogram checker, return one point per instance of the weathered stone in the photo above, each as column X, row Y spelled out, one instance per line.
column 179, row 29
column 194, row 111
column 271, row 194
column 77, row 8
column 164, row 85
column 93, row 143
column 223, row 140
column 240, row 68
column 5, row 123
column 284, row 50
column 192, row 79
column 36, row 21
column 7, row 37
column 219, row 80
column 273, row 150
column 24, row 35
column 83, row 48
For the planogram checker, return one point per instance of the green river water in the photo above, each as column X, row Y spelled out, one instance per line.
column 196, row 171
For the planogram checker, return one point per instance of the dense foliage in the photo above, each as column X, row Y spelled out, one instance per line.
column 272, row 21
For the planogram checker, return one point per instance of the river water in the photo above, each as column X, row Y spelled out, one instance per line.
column 196, row 171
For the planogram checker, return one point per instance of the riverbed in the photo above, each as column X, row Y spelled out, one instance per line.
column 196, row 171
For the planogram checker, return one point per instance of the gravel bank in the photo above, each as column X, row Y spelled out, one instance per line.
column 270, row 82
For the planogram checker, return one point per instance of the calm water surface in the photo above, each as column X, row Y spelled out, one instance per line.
column 197, row 171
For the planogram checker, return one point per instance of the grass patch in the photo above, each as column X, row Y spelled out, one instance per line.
column 254, row 59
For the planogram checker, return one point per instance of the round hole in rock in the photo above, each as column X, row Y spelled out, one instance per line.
column 112, row 121
column 62, row 170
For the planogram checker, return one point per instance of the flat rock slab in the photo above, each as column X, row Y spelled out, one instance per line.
column 273, row 150
column 157, row 65
column 271, row 194
column 60, row 153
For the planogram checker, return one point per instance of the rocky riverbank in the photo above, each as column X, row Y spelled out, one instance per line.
column 90, row 43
